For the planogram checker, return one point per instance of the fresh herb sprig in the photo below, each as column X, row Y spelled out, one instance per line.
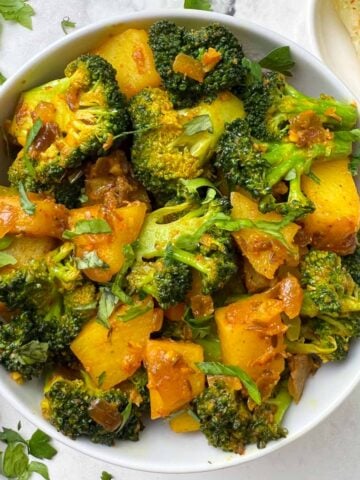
column 198, row 5
column 16, row 461
column 67, row 24
column 18, row 11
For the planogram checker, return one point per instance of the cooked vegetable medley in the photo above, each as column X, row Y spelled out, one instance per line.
column 178, row 240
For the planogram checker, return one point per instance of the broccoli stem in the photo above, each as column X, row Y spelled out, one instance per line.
column 312, row 348
column 331, row 111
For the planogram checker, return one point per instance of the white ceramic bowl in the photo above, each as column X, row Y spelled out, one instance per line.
column 159, row 449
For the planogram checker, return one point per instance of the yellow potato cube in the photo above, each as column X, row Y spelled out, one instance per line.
column 174, row 379
column 115, row 353
column 131, row 56
column 336, row 219
column 264, row 252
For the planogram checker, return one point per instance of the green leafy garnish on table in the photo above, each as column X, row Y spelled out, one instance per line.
column 66, row 23
column 15, row 461
column 2, row 78
column 106, row 476
column 18, row 11
column 198, row 5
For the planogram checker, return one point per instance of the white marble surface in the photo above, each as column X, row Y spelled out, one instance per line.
column 329, row 452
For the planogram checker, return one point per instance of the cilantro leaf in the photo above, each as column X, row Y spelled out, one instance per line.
column 217, row 368
column 2, row 78
column 198, row 5
column 279, row 60
column 15, row 461
column 92, row 226
column 40, row 468
column 101, row 379
column 91, row 260
column 354, row 165
column 6, row 259
column 125, row 416
column 253, row 67
column 26, row 204
column 39, row 445
column 17, row 11
column 11, row 436
column 106, row 476
column 66, row 23
column 5, row 242
column 201, row 123
column 107, row 303
column 135, row 311
column 32, row 352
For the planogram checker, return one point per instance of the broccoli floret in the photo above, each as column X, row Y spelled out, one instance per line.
column 168, row 40
column 197, row 233
column 166, row 280
column 36, row 286
column 202, row 247
column 272, row 103
column 170, row 145
column 139, row 393
column 55, row 301
column 259, row 165
column 330, row 308
column 77, row 408
column 352, row 263
column 329, row 287
column 229, row 424
column 68, row 192
column 21, row 351
column 81, row 116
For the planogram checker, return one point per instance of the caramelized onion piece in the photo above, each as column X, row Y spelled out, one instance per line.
column 106, row 415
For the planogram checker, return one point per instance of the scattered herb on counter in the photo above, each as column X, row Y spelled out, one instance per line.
column 106, row 476
column 18, row 11
column 2, row 78
column 66, row 23
column 198, row 5
column 16, row 462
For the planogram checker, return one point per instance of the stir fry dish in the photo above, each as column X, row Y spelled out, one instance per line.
column 178, row 239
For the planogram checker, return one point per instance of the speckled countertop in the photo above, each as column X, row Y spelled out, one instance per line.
column 331, row 451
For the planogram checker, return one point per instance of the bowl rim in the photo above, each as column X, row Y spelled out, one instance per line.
column 172, row 14
column 312, row 15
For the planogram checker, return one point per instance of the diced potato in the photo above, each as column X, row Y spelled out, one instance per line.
column 125, row 223
column 264, row 252
column 252, row 333
column 184, row 423
column 336, row 219
column 131, row 56
column 174, row 379
column 117, row 353
column 24, row 249
column 255, row 282
column 48, row 220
